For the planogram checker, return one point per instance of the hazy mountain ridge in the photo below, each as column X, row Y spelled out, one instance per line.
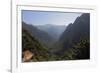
column 42, row 36
column 53, row 30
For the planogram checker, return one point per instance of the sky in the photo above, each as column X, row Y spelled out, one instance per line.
column 50, row 17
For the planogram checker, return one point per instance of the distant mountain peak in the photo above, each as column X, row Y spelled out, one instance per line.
column 50, row 24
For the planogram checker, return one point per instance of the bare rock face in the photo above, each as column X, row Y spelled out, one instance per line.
column 27, row 56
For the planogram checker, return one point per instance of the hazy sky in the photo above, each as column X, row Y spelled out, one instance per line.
column 43, row 17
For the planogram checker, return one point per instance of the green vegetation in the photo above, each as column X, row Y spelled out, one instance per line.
column 73, row 44
column 78, row 51
column 31, row 44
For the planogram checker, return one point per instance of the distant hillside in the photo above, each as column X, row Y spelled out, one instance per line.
column 43, row 37
column 53, row 30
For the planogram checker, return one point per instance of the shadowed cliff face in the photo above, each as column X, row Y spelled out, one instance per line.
column 79, row 30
